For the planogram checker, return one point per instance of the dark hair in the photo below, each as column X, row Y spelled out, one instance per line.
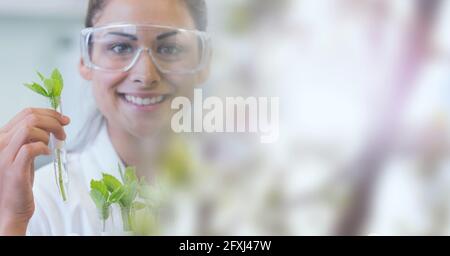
column 197, row 9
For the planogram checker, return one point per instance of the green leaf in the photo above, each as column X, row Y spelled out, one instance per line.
column 49, row 84
column 100, row 187
column 116, row 195
column 56, row 75
column 130, row 175
column 130, row 195
column 98, row 198
column 42, row 77
column 58, row 83
column 111, row 182
column 35, row 87
column 52, row 88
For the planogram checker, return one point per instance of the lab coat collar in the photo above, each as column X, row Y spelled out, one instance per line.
column 105, row 155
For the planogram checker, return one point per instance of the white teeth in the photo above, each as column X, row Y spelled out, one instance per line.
column 147, row 101
column 143, row 101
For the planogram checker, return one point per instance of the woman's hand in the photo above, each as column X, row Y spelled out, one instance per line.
column 24, row 138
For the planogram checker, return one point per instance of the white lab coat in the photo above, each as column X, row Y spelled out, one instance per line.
column 77, row 216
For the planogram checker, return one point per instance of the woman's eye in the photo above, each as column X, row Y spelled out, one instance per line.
column 121, row 48
column 170, row 50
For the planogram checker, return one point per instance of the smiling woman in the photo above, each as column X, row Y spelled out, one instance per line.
column 138, row 55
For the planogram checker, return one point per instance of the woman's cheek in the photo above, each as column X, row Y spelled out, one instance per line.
column 109, row 80
column 183, row 85
column 105, row 88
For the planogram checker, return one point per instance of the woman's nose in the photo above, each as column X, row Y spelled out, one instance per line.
column 144, row 73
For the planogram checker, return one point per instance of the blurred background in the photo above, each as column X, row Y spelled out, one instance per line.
column 364, row 118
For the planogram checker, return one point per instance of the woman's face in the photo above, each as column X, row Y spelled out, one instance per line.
column 143, row 81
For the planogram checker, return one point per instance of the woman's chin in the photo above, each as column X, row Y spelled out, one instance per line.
column 148, row 129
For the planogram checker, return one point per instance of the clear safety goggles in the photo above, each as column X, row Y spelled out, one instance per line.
column 117, row 48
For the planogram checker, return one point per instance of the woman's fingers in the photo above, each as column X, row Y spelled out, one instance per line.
column 31, row 126
column 48, row 124
column 30, row 113
column 28, row 152
column 4, row 140
column 26, row 135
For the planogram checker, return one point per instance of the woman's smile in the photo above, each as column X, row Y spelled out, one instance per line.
column 143, row 101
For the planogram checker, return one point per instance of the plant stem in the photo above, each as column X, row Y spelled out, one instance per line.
column 56, row 104
column 126, row 218
column 60, row 175
column 105, row 214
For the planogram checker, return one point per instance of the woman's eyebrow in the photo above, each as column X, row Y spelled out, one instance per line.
column 130, row 36
column 167, row 34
